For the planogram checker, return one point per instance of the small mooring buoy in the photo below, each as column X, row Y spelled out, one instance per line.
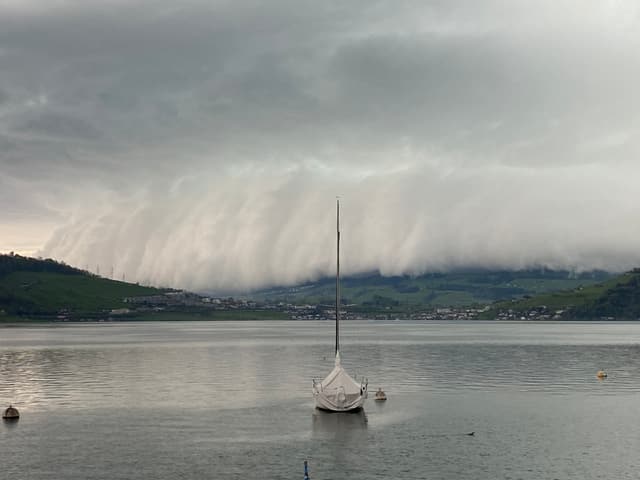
column 11, row 413
column 380, row 395
column 601, row 374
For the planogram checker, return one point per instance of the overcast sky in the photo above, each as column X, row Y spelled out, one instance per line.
column 201, row 144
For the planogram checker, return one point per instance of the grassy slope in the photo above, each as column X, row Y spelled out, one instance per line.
column 47, row 293
column 33, row 289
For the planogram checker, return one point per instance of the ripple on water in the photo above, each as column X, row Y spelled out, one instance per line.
column 222, row 400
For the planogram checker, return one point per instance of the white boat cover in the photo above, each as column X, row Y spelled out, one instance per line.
column 338, row 392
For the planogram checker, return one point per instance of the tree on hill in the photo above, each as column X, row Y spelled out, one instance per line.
column 17, row 263
column 621, row 302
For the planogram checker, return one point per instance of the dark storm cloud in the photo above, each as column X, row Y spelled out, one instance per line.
column 213, row 134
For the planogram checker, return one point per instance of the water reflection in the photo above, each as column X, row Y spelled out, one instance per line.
column 10, row 422
column 338, row 424
column 263, row 364
column 220, row 399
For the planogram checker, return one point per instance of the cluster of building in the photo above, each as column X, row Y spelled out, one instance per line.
column 319, row 312
column 450, row 313
column 534, row 313
column 179, row 299
column 176, row 300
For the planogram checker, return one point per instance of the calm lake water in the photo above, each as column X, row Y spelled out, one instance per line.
column 227, row 400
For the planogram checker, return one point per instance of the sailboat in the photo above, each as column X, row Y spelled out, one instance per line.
column 338, row 392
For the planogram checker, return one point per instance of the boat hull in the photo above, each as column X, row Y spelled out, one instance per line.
column 333, row 403
column 353, row 410
column 338, row 392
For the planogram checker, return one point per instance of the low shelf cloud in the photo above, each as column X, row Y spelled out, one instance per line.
column 203, row 145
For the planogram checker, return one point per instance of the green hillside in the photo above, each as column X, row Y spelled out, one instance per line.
column 458, row 288
column 33, row 288
column 616, row 298
column 38, row 289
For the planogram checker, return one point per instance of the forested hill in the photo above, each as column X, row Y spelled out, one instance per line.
column 17, row 263
column 622, row 301
column 615, row 299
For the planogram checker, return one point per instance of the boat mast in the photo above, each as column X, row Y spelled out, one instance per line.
column 337, row 276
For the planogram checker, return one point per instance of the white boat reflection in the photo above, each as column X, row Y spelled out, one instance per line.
column 340, row 424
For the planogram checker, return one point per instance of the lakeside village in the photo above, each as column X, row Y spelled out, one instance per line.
column 181, row 301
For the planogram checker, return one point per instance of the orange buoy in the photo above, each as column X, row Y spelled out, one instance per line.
column 601, row 374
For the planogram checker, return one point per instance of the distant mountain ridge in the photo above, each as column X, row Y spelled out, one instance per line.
column 456, row 288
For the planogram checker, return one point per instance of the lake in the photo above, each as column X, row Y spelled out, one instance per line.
column 232, row 400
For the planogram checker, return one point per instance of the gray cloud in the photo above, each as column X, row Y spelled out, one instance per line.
column 59, row 125
column 201, row 145
column 198, row 233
